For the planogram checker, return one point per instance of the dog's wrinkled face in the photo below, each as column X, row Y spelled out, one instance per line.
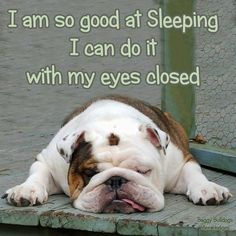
column 116, row 167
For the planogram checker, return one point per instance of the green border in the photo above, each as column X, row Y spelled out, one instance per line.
column 178, row 56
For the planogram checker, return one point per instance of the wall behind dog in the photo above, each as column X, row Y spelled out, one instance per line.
column 32, row 114
column 216, row 55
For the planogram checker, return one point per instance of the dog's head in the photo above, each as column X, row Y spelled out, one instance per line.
column 116, row 167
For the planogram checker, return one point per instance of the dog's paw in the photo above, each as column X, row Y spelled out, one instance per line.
column 26, row 194
column 208, row 193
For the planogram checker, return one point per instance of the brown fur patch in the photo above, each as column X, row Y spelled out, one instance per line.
column 190, row 157
column 113, row 140
column 81, row 161
column 88, row 169
column 76, row 183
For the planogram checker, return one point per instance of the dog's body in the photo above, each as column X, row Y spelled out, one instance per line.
column 123, row 155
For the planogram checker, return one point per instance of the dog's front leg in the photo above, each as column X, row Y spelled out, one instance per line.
column 35, row 190
column 198, row 188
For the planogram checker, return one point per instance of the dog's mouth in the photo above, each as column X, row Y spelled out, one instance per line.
column 123, row 206
column 134, row 205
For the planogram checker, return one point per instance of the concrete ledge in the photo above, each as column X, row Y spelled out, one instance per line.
column 219, row 158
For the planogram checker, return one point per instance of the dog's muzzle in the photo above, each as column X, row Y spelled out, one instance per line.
column 121, row 203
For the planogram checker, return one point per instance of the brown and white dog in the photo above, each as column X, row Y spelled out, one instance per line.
column 117, row 154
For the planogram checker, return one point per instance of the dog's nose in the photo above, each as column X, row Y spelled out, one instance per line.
column 115, row 182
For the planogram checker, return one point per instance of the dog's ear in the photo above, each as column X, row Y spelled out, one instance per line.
column 69, row 143
column 157, row 137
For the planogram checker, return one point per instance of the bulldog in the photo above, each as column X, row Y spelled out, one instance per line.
column 117, row 154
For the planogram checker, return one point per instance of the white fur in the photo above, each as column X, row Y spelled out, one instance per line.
column 168, row 172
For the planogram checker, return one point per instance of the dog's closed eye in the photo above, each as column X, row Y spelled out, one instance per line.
column 144, row 172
